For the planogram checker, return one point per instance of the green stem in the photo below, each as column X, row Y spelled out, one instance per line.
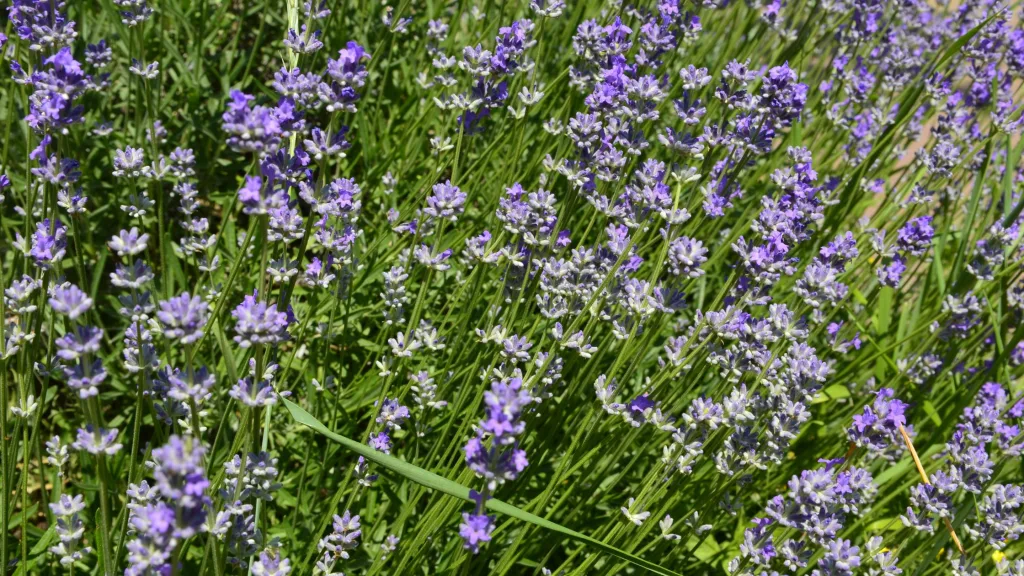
column 25, row 453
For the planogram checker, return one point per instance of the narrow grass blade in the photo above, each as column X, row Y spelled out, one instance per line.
column 454, row 489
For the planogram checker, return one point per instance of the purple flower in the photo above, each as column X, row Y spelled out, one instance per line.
column 475, row 529
column 781, row 96
column 685, row 256
column 892, row 273
column 41, row 23
column 186, row 388
column 70, row 301
column 183, row 317
column 963, row 314
column 130, row 163
column 152, row 549
column 877, row 428
column 639, row 410
column 99, row 54
column 381, row 442
column 259, row 323
column 254, row 394
column 345, row 75
column 179, row 475
column 504, row 460
column 757, row 542
column 132, row 276
column 271, row 563
column 1001, row 520
column 349, row 68
column 303, row 41
column 840, row 559
column 48, row 243
column 564, row 239
column 134, row 12
column 129, row 242
column 532, row 215
column 174, row 510
column 819, row 501
column 97, row 441
column 183, row 162
column 446, row 202
column 78, row 342
column 509, row 47
column 258, row 129
column 344, row 537
column 916, row 236
column 259, row 197
column 70, row 529
column 392, row 414
column 61, row 173
column 57, row 85
column 319, row 145
column 438, row 262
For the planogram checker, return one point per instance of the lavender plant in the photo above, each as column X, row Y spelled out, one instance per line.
column 536, row 287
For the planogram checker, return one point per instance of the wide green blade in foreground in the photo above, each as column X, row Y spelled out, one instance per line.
column 441, row 484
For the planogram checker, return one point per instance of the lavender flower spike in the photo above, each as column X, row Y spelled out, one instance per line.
column 183, row 317
column 259, row 323
column 70, row 301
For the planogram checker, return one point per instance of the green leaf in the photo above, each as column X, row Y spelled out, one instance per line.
column 43, row 543
column 1011, row 210
column 15, row 520
column 707, row 549
column 369, row 345
column 883, row 314
column 885, row 524
column 286, row 498
column 859, row 297
column 929, row 409
column 97, row 275
column 456, row 490
column 1013, row 213
column 229, row 357
column 833, row 392
column 972, row 214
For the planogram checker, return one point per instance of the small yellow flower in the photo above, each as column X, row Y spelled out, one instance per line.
column 998, row 556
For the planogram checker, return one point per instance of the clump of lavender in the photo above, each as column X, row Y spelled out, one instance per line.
column 987, row 430
column 913, row 239
column 78, row 349
column 817, row 505
column 707, row 211
column 174, row 511
column 494, row 453
column 877, row 428
column 258, row 128
column 251, row 478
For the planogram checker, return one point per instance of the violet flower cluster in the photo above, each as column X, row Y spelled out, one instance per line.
column 270, row 280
